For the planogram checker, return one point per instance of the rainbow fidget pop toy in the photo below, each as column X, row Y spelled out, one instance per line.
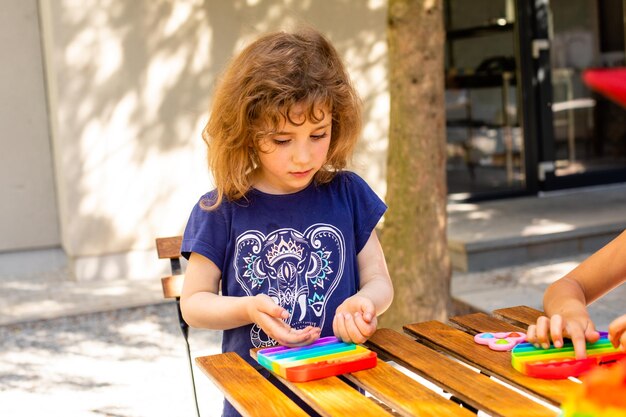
column 327, row 356
column 560, row 363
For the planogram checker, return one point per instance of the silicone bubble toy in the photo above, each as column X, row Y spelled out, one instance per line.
column 561, row 363
column 501, row 341
column 327, row 356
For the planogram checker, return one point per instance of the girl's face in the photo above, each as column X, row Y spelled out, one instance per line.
column 290, row 158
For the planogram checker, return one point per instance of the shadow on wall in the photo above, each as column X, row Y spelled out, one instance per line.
column 133, row 83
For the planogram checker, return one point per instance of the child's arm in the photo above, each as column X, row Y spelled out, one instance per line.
column 203, row 307
column 355, row 319
column 565, row 301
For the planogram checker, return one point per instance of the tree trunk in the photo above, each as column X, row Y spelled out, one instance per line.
column 414, row 232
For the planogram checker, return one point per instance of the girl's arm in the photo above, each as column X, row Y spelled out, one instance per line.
column 566, row 300
column 355, row 319
column 203, row 307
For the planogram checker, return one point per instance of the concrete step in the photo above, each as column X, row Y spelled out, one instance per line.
column 525, row 285
column 492, row 234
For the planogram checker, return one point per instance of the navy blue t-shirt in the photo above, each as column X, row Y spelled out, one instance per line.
column 300, row 249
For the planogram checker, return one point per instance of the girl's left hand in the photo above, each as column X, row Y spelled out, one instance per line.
column 355, row 320
column 617, row 332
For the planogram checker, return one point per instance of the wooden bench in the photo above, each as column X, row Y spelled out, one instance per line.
column 169, row 248
column 440, row 353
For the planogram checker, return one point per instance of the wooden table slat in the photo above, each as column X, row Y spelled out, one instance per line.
column 404, row 394
column 480, row 322
column 521, row 316
column 461, row 345
column 469, row 386
column 247, row 390
column 332, row 397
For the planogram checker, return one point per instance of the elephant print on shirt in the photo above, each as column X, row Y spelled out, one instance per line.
column 299, row 271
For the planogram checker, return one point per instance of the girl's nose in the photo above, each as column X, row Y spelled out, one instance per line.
column 301, row 153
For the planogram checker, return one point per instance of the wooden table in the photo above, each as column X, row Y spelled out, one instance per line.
column 443, row 354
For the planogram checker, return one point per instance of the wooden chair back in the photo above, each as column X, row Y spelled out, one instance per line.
column 169, row 248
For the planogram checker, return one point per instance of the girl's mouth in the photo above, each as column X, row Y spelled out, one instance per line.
column 300, row 174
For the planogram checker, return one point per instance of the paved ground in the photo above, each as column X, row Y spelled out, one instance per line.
column 120, row 363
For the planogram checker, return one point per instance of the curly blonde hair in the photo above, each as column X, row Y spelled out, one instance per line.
column 257, row 92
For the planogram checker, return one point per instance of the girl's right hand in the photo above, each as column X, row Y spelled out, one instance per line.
column 579, row 329
column 270, row 317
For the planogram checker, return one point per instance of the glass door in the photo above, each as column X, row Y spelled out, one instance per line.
column 484, row 134
column 585, row 143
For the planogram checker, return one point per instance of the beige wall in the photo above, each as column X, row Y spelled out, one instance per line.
column 28, row 211
column 129, row 84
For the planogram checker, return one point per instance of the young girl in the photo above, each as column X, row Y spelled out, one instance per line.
column 287, row 233
column 565, row 301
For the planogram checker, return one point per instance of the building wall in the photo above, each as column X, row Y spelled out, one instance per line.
column 128, row 88
column 28, row 208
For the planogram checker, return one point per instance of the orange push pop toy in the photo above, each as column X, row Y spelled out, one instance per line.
column 601, row 394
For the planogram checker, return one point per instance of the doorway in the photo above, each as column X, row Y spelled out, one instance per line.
column 520, row 120
column 586, row 144
column 485, row 145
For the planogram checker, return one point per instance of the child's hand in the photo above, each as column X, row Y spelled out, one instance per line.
column 617, row 332
column 270, row 317
column 579, row 329
column 355, row 320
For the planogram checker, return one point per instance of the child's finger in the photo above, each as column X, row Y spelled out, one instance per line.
column 543, row 329
column 293, row 339
column 591, row 334
column 366, row 328
column 556, row 330
column 339, row 328
column 352, row 330
column 369, row 313
column 266, row 305
column 531, row 333
column 577, row 334
column 288, row 336
column 617, row 332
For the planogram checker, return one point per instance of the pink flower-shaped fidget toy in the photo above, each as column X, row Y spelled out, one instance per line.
column 501, row 341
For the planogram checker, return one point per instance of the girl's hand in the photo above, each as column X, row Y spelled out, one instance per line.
column 270, row 317
column 579, row 329
column 617, row 332
column 355, row 320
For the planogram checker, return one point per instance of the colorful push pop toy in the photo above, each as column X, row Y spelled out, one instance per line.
column 561, row 363
column 327, row 356
column 501, row 341
column 601, row 394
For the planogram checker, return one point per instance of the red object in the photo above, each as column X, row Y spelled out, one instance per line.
column 610, row 82
column 330, row 368
column 575, row 367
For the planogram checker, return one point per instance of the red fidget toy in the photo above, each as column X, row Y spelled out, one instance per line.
column 327, row 356
column 561, row 363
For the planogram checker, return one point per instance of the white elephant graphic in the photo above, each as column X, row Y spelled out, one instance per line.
column 299, row 271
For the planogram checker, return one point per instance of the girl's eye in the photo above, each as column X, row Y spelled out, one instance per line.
column 281, row 141
column 318, row 137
